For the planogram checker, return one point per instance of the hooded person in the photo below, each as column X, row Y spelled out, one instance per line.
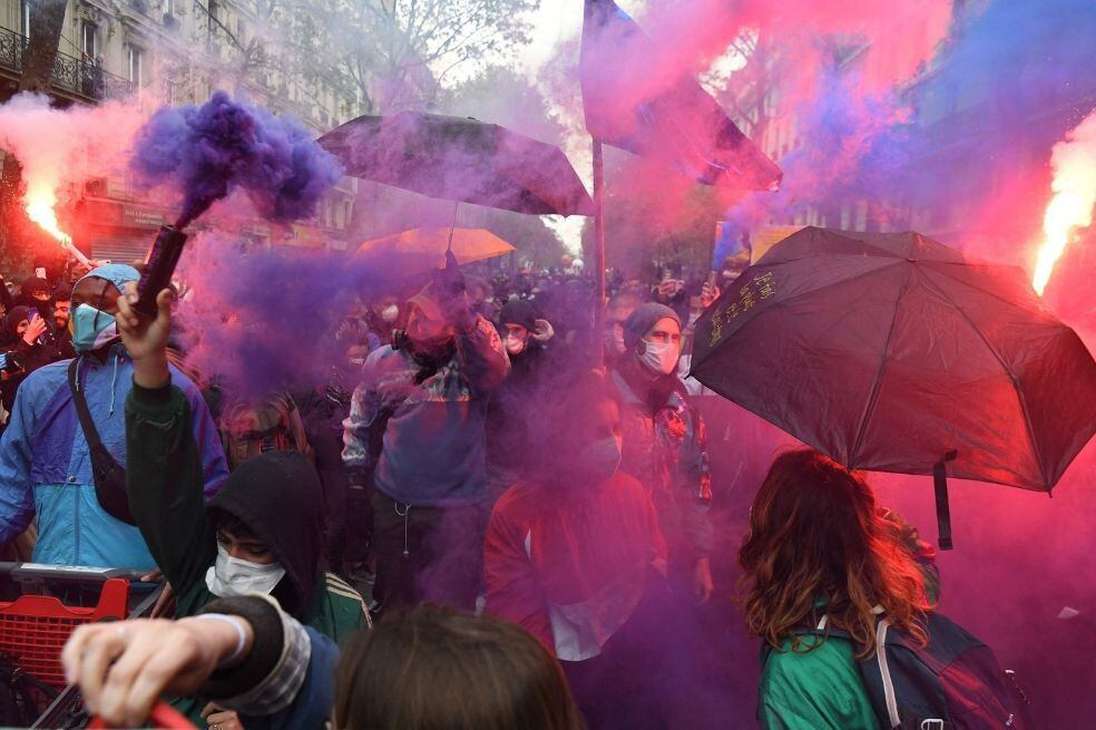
column 525, row 336
column 665, row 441
column 262, row 533
column 36, row 293
column 416, row 431
column 24, row 349
column 45, row 459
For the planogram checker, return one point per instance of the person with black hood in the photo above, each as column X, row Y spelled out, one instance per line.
column 21, row 341
column 665, row 441
column 262, row 533
column 525, row 336
column 35, row 292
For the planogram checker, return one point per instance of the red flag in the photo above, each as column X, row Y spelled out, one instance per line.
column 629, row 104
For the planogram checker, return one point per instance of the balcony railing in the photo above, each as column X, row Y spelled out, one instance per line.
column 70, row 74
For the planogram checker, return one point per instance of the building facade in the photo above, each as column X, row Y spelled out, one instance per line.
column 156, row 52
column 971, row 154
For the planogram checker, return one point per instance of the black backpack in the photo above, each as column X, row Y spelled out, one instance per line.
column 952, row 683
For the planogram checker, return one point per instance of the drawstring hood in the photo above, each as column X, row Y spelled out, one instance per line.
column 113, row 376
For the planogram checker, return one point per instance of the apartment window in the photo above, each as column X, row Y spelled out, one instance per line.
column 89, row 39
column 24, row 17
column 135, row 62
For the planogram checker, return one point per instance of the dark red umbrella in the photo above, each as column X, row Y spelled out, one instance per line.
column 890, row 351
column 460, row 159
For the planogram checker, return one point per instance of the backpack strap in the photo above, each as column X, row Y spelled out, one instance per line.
column 890, row 698
column 107, row 473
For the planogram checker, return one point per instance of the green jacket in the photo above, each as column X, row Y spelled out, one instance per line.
column 822, row 688
column 164, row 480
column 816, row 690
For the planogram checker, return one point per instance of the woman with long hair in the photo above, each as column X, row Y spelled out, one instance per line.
column 820, row 554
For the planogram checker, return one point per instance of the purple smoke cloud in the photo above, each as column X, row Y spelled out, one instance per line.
column 209, row 151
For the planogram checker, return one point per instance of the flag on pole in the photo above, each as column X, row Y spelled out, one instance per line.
column 630, row 104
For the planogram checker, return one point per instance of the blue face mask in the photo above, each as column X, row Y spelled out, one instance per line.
column 92, row 328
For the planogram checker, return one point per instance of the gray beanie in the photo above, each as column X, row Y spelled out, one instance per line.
column 643, row 319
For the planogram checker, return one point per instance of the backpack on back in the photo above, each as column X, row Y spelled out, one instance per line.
column 952, row 683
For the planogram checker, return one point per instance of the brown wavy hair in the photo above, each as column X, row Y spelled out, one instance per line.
column 816, row 537
column 435, row 668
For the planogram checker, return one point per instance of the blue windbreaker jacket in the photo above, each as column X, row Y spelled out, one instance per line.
column 45, row 466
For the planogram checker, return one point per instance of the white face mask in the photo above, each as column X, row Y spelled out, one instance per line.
column 514, row 345
column 660, row 357
column 600, row 460
column 231, row 576
column 390, row 313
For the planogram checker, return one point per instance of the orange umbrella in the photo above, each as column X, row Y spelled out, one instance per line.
column 423, row 249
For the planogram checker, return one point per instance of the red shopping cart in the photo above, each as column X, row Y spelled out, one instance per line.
column 40, row 607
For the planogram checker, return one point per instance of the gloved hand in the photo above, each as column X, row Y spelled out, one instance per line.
column 453, row 295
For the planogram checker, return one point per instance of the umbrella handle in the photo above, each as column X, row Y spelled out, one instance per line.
column 943, row 508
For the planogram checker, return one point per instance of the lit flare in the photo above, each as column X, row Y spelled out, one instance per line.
column 1074, row 195
column 40, row 209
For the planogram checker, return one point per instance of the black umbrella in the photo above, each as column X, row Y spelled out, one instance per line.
column 892, row 352
column 460, row 159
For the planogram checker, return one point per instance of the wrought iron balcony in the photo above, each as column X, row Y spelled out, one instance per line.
column 74, row 75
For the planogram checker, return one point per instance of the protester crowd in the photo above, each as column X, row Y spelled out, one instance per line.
column 521, row 503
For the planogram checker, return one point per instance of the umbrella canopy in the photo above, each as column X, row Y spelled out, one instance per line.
column 887, row 351
column 460, row 159
column 423, row 249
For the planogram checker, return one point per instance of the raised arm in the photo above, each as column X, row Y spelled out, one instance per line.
column 483, row 360
column 357, row 454
column 164, row 470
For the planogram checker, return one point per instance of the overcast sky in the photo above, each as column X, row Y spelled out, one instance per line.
column 559, row 20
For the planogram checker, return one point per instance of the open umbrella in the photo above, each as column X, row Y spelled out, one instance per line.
column 460, row 159
column 892, row 352
column 423, row 249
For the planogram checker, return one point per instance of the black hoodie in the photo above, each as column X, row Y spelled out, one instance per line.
column 278, row 496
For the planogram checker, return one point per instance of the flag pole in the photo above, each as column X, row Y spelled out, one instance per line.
column 599, row 245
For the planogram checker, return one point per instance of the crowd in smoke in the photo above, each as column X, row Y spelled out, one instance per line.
column 299, row 324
